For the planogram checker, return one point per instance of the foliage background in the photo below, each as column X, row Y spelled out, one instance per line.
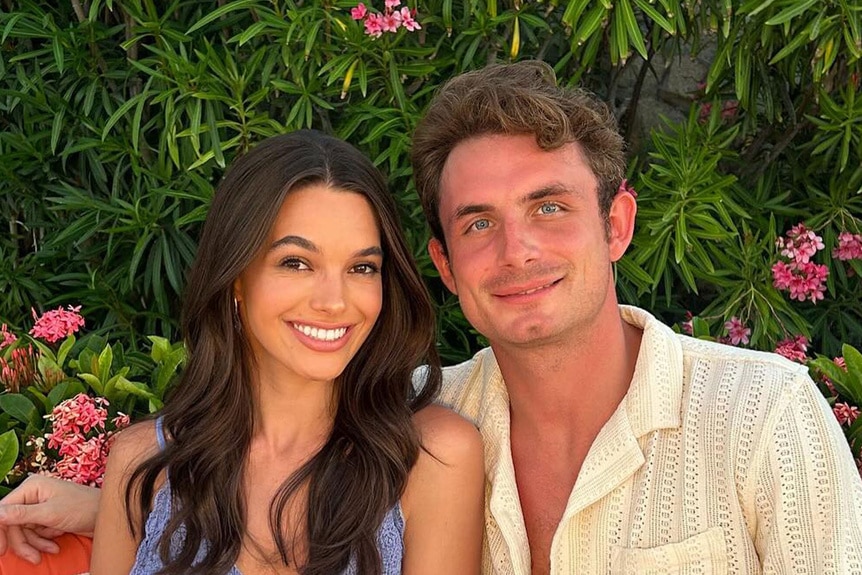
column 118, row 117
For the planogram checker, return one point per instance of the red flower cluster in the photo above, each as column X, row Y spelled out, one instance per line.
column 19, row 371
column 7, row 338
column 794, row 348
column 845, row 413
column 849, row 247
column 800, row 276
column 57, row 324
column 81, row 437
column 389, row 21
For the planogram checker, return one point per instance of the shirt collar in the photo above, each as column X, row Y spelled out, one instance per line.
column 654, row 398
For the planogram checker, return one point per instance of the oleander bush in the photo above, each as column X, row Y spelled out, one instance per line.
column 118, row 117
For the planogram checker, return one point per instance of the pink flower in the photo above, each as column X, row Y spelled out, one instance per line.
column 374, row 25
column 122, row 420
column 408, row 21
column 7, row 338
column 737, row 332
column 849, row 247
column 57, row 324
column 845, row 413
column 800, row 244
column 390, row 4
column 839, row 361
column 625, row 186
column 80, row 438
column 803, row 280
column 729, row 109
column 794, row 348
column 687, row 325
column 390, row 22
column 359, row 12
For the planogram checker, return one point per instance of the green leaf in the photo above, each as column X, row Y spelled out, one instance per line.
column 795, row 9
column 120, row 112
column 64, row 390
column 656, row 16
column 93, row 381
column 21, row 408
column 64, row 350
column 106, row 358
column 634, row 32
column 221, row 11
column 8, row 452
column 56, row 128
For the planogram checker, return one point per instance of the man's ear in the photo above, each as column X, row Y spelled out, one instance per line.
column 621, row 224
column 441, row 262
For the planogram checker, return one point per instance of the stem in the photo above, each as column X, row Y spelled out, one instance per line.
column 79, row 11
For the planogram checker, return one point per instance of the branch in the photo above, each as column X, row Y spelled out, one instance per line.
column 79, row 11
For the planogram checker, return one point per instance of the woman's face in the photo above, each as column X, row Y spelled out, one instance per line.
column 311, row 296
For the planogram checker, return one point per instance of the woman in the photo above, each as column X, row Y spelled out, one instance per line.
column 294, row 442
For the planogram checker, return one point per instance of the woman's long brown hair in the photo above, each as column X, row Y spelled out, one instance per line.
column 361, row 471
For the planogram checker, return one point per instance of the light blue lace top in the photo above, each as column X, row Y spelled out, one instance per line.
column 390, row 537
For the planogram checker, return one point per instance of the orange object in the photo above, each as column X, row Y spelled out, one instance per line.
column 73, row 559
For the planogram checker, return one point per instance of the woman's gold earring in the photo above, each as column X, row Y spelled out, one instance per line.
column 236, row 321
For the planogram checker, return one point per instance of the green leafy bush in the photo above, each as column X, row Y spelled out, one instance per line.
column 117, row 118
column 49, row 372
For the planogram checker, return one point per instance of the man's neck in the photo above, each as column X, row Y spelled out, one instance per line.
column 575, row 384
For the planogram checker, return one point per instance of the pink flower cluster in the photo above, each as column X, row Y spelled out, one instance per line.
column 81, row 437
column 845, row 413
column 794, row 348
column 626, row 187
column 57, row 324
column 389, row 21
column 688, row 325
column 849, row 247
column 737, row 333
column 800, row 276
column 7, row 338
column 729, row 109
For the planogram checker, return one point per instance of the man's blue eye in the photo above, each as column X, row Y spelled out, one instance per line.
column 549, row 208
column 481, row 224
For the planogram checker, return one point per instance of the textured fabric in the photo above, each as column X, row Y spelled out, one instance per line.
column 390, row 536
column 718, row 460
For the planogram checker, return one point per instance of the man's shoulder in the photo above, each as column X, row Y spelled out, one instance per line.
column 464, row 384
column 741, row 390
column 730, row 358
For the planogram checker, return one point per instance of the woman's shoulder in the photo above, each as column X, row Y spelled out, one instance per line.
column 135, row 443
column 445, row 435
column 443, row 501
column 450, row 456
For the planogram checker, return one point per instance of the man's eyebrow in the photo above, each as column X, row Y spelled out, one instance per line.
column 554, row 190
column 465, row 210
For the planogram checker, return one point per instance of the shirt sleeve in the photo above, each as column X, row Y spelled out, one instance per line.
column 808, row 492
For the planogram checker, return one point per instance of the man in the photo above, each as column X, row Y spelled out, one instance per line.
column 612, row 445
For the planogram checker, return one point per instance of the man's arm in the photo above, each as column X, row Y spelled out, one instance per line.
column 42, row 508
column 807, row 492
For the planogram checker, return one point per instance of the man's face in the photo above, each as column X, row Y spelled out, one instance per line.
column 529, row 254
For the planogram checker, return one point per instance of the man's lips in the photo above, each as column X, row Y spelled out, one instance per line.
column 526, row 289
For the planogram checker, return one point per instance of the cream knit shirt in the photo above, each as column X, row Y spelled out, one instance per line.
column 718, row 460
